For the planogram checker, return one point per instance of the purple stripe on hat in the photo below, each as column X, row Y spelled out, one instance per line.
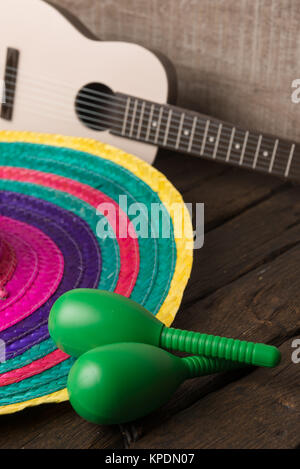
column 81, row 254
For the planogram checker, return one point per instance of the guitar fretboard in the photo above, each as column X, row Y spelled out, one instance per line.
column 202, row 136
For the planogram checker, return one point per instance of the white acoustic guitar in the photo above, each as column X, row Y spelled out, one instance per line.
column 57, row 78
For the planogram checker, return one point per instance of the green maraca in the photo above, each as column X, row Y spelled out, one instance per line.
column 121, row 382
column 83, row 319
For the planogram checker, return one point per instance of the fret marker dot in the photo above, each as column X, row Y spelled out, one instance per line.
column 265, row 154
column 154, row 124
column 186, row 132
column 211, row 139
column 237, row 146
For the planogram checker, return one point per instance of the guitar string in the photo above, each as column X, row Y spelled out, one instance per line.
column 136, row 124
column 123, row 101
column 147, row 113
column 234, row 159
column 196, row 140
column 179, row 112
column 263, row 164
column 266, row 141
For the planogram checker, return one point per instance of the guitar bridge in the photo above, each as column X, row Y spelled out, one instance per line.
column 8, row 85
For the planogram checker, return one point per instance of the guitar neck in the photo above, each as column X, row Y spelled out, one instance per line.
column 202, row 136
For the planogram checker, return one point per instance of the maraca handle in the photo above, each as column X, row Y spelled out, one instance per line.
column 249, row 353
column 201, row 366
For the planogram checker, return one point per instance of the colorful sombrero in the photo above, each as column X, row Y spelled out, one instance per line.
column 58, row 195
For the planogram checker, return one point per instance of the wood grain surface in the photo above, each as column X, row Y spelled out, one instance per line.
column 236, row 60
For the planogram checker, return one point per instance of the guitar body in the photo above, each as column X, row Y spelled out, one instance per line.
column 56, row 60
column 59, row 79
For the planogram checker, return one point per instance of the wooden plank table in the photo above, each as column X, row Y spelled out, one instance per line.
column 245, row 284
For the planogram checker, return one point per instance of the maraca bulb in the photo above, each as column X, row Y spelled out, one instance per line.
column 118, row 383
column 83, row 319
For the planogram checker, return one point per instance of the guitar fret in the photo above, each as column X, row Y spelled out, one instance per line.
column 230, row 144
column 273, row 155
column 133, row 118
column 141, row 120
column 244, row 148
column 158, row 124
column 204, row 137
column 257, row 152
column 179, row 131
column 289, row 161
column 192, row 134
column 126, row 116
column 168, row 127
column 149, row 122
column 217, row 141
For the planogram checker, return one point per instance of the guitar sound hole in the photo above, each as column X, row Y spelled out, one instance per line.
column 93, row 105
